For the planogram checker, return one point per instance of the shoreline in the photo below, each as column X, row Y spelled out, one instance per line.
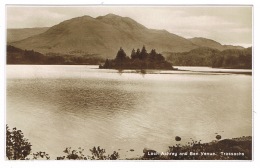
column 226, row 149
column 158, row 71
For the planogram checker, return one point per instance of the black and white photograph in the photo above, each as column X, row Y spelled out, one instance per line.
column 129, row 82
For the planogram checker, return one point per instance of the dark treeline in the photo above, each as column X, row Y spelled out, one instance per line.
column 230, row 58
column 19, row 56
column 139, row 59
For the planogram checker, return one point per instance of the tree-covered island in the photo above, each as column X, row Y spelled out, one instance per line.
column 138, row 60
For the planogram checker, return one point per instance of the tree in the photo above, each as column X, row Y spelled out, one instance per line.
column 138, row 52
column 159, row 57
column 152, row 55
column 139, row 60
column 217, row 61
column 107, row 64
column 143, row 54
column 17, row 147
column 121, row 55
column 133, row 54
column 99, row 154
column 41, row 156
column 73, row 154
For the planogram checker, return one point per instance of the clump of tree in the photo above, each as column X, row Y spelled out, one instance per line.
column 97, row 153
column 19, row 148
column 19, row 56
column 230, row 58
column 233, row 58
column 73, row 154
column 139, row 59
column 70, row 59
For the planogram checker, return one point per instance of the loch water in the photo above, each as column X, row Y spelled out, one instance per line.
column 59, row 106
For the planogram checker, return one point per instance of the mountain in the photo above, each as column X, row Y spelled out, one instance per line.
column 103, row 35
column 20, row 34
column 204, row 42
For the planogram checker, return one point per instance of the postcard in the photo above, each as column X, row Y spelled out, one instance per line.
column 129, row 82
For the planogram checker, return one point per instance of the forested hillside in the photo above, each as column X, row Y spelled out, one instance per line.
column 230, row 58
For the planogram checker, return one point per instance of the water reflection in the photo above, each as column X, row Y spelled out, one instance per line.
column 120, row 71
column 141, row 71
column 61, row 106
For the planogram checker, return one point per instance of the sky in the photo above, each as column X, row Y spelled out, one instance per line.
column 225, row 24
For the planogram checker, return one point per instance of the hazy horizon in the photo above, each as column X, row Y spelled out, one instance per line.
column 226, row 25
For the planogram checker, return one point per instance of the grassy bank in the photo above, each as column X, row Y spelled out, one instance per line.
column 226, row 149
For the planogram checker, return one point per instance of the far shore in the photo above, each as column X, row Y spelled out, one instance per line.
column 158, row 71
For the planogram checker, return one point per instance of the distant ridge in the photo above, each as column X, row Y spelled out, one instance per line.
column 204, row 42
column 20, row 34
column 103, row 36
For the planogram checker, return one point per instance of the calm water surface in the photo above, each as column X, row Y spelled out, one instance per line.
column 82, row 106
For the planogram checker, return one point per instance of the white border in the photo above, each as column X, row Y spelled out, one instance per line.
column 128, row 164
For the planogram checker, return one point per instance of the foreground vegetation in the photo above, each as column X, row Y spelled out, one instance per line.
column 226, row 149
column 19, row 148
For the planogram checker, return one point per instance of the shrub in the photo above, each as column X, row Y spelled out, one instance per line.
column 17, row 147
column 99, row 154
column 73, row 154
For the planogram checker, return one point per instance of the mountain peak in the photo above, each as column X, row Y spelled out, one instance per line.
column 120, row 22
column 202, row 39
column 111, row 15
column 204, row 42
column 80, row 18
